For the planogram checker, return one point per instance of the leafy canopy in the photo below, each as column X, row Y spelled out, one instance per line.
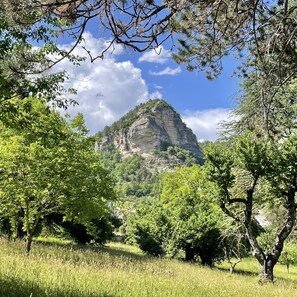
column 47, row 167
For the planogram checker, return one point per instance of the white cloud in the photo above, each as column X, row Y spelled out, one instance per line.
column 167, row 71
column 96, row 46
column 106, row 89
column 159, row 55
column 156, row 95
column 205, row 124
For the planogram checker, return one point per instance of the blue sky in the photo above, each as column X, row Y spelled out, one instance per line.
column 109, row 88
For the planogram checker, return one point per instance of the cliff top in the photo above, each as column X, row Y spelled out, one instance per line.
column 150, row 127
column 125, row 122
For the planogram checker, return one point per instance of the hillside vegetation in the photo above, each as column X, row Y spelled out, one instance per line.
column 125, row 122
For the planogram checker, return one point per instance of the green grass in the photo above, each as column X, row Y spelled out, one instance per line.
column 54, row 240
column 119, row 271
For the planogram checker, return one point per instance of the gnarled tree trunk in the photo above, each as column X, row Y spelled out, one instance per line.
column 266, row 271
column 267, row 262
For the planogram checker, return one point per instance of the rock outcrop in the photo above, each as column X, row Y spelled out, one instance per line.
column 150, row 127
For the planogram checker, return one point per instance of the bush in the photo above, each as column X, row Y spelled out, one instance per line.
column 289, row 255
column 102, row 230
column 149, row 244
column 208, row 248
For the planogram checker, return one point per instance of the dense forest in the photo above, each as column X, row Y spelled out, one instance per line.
column 240, row 203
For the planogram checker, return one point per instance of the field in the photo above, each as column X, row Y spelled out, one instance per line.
column 118, row 270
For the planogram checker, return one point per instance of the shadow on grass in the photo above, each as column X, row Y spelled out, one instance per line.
column 13, row 287
column 54, row 243
column 116, row 252
column 120, row 253
column 238, row 271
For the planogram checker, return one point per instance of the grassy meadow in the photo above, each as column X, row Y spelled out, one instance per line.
column 118, row 270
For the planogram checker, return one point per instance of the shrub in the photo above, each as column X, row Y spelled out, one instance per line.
column 289, row 255
column 149, row 244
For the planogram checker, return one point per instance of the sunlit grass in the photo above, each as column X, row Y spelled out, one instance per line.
column 120, row 270
column 54, row 240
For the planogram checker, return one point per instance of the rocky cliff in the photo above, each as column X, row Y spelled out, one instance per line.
column 150, row 127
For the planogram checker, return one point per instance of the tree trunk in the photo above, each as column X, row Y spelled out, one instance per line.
column 30, row 227
column 189, row 253
column 232, row 268
column 288, row 267
column 28, row 243
column 266, row 272
column 267, row 262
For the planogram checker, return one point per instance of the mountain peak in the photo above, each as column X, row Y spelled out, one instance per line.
column 149, row 127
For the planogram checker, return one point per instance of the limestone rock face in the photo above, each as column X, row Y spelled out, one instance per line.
column 152, row 128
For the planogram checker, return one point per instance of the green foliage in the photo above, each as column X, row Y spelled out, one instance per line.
column 133, row 178
column 46, row 167
column 221, row 158
column 110, row 157
column 284, row 164
column 184, row 220
column 173, row 154
column 187, row 197
column 289, row 255
column 266, row 239
column 22, row 63
column 147, row 228
column 134, row 182
column 148, row 244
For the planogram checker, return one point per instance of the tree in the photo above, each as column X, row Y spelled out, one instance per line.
column 206, row 30
column 289, row 255
column 235, row 245
column 185, row 220
column 24, row 65
column 264, row 129
column 187, row 200
column 47, row 167
column 148, row 228
column 270, row 114
column 259, row 164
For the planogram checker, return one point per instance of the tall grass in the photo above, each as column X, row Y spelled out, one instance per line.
column 120, row 270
